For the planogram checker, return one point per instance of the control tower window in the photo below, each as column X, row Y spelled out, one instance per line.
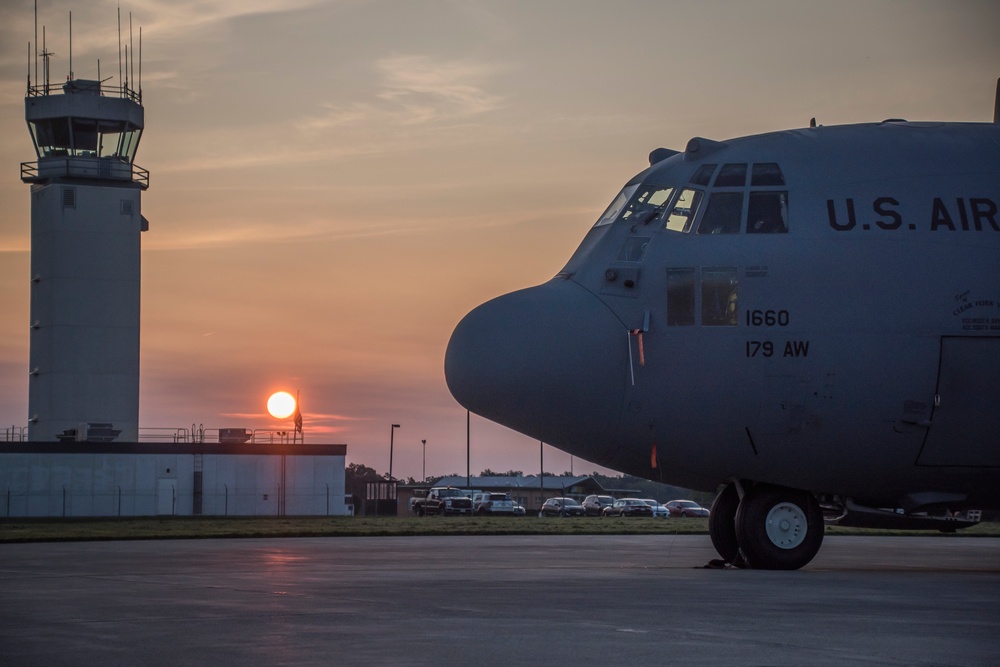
column 723, row 214
column 52, row 137
column 732, row 176
column 684, row 211
column 767, row 173
column 83, row 137
column 680, row 297
column 719, row 296
column 613, row 211
column 648, row 205
column 767, row 213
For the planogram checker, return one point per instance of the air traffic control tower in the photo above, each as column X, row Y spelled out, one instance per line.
column 86, row 223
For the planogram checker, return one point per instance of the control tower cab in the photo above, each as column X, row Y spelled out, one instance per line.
column 86, row 222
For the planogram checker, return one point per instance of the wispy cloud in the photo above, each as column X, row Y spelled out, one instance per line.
column 417, row 90
column 182, row 16
column 416, row 98
column 429, row 90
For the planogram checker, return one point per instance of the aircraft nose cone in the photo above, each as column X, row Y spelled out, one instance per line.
column 549, row 362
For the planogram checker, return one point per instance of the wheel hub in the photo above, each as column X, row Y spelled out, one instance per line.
column 786, row 525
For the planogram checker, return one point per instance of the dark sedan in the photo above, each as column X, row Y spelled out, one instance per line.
column 595, row 504
column 562, row 507
column 629, row 507
column 686, row 508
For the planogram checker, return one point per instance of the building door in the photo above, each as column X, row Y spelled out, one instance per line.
column 166, row 496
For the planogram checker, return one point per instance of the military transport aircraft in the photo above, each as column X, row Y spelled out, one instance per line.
column 810, row 318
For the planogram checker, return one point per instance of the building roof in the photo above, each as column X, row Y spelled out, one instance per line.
column 549, row 482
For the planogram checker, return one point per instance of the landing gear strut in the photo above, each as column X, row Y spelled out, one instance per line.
column 770, row 528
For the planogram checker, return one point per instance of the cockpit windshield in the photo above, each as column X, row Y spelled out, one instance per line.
column 612, row 212
column 642, row 208
column 648, row 205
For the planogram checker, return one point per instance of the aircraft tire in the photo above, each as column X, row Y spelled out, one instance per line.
column 778, row 528
column 722, row 523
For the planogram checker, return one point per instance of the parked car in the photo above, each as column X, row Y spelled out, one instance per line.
column 594, row 505
column 493, row 503
column 686, row 508
column 659, row 510
column 562, row 507
column 628, row 507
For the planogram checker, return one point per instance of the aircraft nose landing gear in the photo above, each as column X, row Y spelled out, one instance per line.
column 770, row 528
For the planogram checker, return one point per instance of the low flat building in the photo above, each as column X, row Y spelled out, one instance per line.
column 109, row 479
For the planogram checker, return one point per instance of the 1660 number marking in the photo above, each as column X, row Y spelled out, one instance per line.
column 767, row 318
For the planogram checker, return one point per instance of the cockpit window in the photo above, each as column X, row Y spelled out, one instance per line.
column 719, row 296
column 680, row 297
column 767, row 213
column 732, row 176
column 634, row 249
column 703, row 175
column 723, row 214
column 617, row 205
column 684, row 211
column 649, row 205
column 767, row 173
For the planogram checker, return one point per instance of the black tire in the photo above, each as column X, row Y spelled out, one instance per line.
column 722, row 523
column 778, row 528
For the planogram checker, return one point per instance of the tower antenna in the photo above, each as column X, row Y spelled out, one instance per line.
column 46, row 55
column 71, row 45
column 120, row 51
column 36, row 42
column 131, row 49
column 140, row 63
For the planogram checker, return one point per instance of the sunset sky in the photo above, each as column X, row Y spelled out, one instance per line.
column 334, row 184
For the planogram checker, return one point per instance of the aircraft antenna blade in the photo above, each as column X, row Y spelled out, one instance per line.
column 996, row 104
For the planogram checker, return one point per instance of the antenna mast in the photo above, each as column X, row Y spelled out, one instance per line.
column 45, row 61
column 36, row 41
column 120, row 51
column 71, row 45
column 131, row 49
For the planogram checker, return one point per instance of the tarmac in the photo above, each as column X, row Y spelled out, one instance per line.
column 484, row 601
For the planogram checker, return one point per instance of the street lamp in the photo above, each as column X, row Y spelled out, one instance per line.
column 423, row 470
column 392, row 432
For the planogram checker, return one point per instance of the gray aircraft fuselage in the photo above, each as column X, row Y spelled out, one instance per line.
column 819, row 310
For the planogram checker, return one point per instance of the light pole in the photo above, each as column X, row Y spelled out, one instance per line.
column 392, row 432
column 423, row 470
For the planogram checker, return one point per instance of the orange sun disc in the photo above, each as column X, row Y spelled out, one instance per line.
column 281, row 405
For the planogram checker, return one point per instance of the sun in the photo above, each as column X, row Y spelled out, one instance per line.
column 281, row 405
